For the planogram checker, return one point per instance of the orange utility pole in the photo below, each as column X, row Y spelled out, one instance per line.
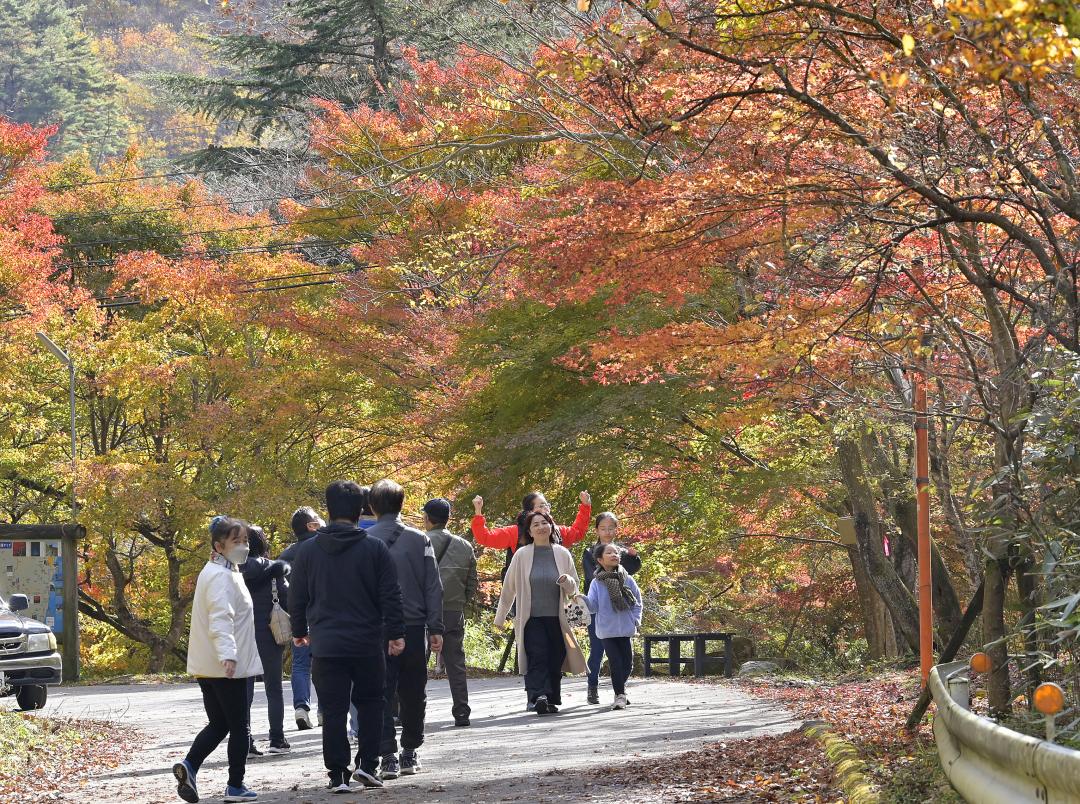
column 922, row 487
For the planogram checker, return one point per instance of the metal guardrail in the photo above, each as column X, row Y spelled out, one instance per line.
column 990, row 764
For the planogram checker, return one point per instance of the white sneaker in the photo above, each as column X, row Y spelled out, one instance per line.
column 620, row 702
column 303, row 718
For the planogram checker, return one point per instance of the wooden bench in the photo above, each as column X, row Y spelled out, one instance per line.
column 674, row 659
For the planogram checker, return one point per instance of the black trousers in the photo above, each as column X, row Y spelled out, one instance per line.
column 545, row 653
column 226, row 704
column 271, row 655
column 406, row 677
column 621, row 661
column 360, row 681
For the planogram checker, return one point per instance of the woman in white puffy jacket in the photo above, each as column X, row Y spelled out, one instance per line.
column 222, row 655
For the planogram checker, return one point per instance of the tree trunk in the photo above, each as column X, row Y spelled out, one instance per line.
column 878, row 568
column 1028, row 587
column 899, row 493
column 993, row 622
column 880, row 641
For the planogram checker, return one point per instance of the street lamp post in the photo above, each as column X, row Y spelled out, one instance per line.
column 68, row 553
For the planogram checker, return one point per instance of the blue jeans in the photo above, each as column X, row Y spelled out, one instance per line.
column 596, row 654
column 301, row 677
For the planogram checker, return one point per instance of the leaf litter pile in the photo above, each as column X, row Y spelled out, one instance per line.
column 41, row 756
column 792, row 767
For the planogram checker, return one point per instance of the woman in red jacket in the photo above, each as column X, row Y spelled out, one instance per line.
column 511, row 537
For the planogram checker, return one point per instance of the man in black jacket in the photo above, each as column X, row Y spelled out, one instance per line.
column 422, row 595
column 345, row 603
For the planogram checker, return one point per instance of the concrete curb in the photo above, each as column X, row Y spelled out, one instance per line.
column 850, row 768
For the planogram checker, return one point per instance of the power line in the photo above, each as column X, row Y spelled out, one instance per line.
column 109, row 303
column 135, row 302
column 281, row 278
column 183, row 207
column 199, row 233
column 220, row 252
column 169, row 175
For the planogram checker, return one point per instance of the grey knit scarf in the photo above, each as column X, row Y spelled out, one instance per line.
column 615, row 582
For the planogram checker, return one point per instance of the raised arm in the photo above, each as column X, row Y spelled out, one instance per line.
column 504, row 538
column 576, row 532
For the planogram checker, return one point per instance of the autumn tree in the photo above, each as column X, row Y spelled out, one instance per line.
column 851, row 177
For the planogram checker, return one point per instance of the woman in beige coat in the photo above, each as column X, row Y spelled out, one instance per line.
column 541, row 579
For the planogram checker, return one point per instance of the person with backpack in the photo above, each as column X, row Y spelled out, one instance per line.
column 422, row 599
column 345, row 603
column 607, row 531
column 265, row 580
column 457, row 568
column 223, row 656
column 305, row 522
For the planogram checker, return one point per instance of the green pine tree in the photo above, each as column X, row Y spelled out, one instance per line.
column 50, row 74
column 348, row 51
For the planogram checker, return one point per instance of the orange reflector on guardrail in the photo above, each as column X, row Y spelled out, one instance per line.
column 980, row 663
column 1049, row 698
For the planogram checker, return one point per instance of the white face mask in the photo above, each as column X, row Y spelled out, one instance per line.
column 238, row 554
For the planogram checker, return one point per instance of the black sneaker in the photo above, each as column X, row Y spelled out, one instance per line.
column 369, row 779
column 253, row 750
column 462, row 721
column 542, row 705
column 279, row 747
column 594, row 695
column 390, row 768
column 339, row 782
column 410, row 763
column 185, row 782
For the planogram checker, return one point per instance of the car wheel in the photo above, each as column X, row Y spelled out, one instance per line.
column 31, row 696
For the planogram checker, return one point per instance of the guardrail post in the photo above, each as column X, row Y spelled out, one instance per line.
column 960, row 691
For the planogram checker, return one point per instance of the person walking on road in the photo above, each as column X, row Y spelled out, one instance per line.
column 422, row 597
column 305, row 522
column 345, row 603
column 223, row 656
column 607, row 531
column 265, row 580
column 457, row 568
column 540, row 579
column 615, row 600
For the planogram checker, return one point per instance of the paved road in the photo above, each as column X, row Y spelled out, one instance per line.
column 506, row 755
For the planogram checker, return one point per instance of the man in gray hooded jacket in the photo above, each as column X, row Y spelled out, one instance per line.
column 457, row 566
column 422, row 593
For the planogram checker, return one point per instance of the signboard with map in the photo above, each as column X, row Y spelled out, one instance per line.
column 32, row 567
